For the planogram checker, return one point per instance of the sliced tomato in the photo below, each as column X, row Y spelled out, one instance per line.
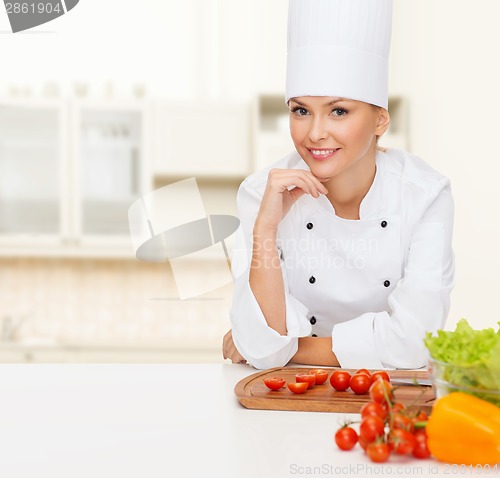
column 298, row 387
column 321, row 375
column 339, row 380
column 308, row 378
column 274, row 383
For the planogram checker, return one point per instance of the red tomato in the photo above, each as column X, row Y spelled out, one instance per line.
column 371, row 427
column 339, row 380
column 401, row 441
column 380, row 374
column 381, row 391
column 401, row 422
column 298, row 387
column 363, row 370
column 422, row 416
column 421, row 450
column 420, row 420
column 346, row 438
column 321, row 375
column 397, row 407
column 373, row 408
column 308, row 378
column 378, row 452
column 360, row 383
column 363, row 443
column 274, row 383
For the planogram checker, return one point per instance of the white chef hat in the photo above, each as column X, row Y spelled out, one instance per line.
column 339, row 48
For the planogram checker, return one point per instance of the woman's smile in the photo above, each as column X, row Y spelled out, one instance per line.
column 322, row 154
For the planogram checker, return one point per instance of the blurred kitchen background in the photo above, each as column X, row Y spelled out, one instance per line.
column 118, row 98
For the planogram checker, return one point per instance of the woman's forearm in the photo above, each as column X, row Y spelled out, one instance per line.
column 315, row 351
column 266, row 279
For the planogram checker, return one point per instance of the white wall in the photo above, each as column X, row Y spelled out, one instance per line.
column 444, row 59
column 446, row 62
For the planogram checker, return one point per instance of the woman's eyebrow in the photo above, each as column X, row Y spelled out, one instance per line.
column 330, row 103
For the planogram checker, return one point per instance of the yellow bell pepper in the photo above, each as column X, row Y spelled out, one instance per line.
column 464, row 429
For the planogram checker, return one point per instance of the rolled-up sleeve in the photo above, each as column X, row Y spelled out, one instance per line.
column 262, row 346
column 420, row 301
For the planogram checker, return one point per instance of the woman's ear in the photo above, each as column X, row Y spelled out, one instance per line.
column 383, row 121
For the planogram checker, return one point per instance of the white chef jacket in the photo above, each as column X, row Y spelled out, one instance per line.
column 375, row 285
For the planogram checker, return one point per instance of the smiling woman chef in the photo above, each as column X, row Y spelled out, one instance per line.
column 344, row 255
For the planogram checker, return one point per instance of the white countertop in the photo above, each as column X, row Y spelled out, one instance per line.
column 165, row 421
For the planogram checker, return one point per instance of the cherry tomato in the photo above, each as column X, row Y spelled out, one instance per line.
column 308, row 378
column 421, row 416
column 298, row 387
column 402, row 422
column 274, row 383
column 419, row 420
column 381, row 391
column 363, row 443
column 371, row 427
column 339, row 380
column 397, row 407
column 380, row 374
column 360, row 383
column 363, row 370
column 321, row 375
column 378, row 452
column 421, row 450
column 373, row 408
column 346, row 438
column 401, row 441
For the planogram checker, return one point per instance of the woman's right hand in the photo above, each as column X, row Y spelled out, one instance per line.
column 278, row 199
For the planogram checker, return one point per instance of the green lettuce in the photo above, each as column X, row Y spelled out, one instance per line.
column 474, row 354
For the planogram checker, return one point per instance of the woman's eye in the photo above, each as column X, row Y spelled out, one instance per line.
column 300, row 111
column 339, row 112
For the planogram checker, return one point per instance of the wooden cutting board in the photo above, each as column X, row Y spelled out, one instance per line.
column 253, row 393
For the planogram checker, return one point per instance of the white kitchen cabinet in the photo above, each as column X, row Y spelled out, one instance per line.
column 110, row 168
column 201, row 138
column 69, row 171
column 33, row 171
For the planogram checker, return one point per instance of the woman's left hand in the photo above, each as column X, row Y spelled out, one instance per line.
column 229, row 350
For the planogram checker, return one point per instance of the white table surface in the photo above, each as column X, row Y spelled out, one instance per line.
column 166, row 420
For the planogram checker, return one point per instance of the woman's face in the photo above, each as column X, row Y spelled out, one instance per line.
column 333, row 134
